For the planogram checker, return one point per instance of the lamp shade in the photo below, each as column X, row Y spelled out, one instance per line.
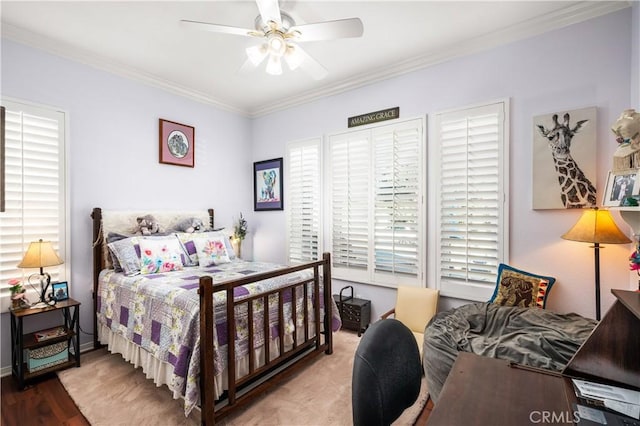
column 40, row 254
column 596, row 226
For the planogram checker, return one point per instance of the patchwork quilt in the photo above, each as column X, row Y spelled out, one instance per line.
column 160, row 313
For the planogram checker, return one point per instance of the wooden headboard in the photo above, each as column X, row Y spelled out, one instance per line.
column 124, row 222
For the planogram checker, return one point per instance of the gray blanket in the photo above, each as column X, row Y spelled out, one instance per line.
column 529, row 336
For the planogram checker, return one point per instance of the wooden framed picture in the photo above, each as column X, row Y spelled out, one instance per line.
column 621, row 184
column 177, row 144
column 60, row 291
column 267, row 185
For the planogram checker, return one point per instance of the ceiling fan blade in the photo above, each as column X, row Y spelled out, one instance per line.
column 269, row 11
column 247, row 67
column 299, row 58
column 342, row 28
column 220, row 28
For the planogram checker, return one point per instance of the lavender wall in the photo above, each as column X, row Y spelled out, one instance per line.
column 113, row 146
column 587, row 64
column 113, row 128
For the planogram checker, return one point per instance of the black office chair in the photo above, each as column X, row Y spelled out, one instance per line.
column 386, row 373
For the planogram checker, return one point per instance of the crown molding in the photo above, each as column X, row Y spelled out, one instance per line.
column 572, row 14
column 92, row 59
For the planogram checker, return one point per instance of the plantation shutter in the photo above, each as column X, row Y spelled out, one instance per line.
column 377, row 214
column 35, row 188
column 350, row 164
column 472, row 200
column 304, row 201
column 398, row 198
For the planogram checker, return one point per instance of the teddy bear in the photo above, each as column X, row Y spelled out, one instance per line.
column 190, row 225
column 148, row 225
column 627, row 127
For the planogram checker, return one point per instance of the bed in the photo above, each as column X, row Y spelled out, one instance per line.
column 531, row 336
column 173, row 318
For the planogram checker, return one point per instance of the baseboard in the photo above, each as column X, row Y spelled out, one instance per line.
column 85, row 347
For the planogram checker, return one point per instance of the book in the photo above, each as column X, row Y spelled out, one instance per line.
column 49, row 333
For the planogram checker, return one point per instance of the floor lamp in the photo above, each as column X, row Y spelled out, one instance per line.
column 597, row 227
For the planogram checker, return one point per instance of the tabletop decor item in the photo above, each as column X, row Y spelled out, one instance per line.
column 18, row 294
column 177, row 144
column 239, row 233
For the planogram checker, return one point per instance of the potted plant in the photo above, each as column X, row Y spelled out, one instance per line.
column 18, row 294
column 239, row 232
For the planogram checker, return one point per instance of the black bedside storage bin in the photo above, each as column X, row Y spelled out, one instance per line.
column 354, row 313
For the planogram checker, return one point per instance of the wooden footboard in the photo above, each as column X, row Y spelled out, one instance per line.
column 287, row 361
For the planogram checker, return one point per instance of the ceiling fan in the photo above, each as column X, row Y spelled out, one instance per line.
column 280, row 36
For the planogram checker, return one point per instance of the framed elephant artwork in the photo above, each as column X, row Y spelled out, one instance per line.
column 267, row 185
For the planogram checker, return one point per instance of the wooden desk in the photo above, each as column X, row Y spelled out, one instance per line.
column 488, row 391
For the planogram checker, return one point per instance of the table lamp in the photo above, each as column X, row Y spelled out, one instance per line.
column 41, row 254
column 596, row 226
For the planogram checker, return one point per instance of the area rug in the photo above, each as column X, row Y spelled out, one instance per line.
column 109, row 391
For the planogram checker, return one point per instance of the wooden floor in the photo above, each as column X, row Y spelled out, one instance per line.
column 43, row 402
column 46, row 402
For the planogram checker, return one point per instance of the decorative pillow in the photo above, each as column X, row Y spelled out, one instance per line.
column 211, row 251
column 188, row 243
column 127, row 253
column 160, row 255
column 520, row 288
column 113, row 259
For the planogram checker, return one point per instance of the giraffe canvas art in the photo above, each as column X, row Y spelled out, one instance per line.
column 564, row 160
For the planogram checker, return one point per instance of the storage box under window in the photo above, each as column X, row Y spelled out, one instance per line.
column 47, row 356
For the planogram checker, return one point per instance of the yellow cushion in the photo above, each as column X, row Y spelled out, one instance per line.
column 416, row 306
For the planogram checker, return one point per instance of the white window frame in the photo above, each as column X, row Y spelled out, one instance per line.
column 293, row 204
column 469, row 290
column 369, row 275
column 61, row 272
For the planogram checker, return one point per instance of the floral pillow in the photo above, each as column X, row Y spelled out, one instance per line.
column 160, row 255
column 520, row 288
column 211, row 251
column 188, row 243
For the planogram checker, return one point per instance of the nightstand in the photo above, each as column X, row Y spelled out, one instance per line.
column 354, row 313
column 38, row 353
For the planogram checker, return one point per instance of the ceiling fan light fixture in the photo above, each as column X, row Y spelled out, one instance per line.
column 256, row 54
column 293, row 56
column 274, row 66
column 277, row 45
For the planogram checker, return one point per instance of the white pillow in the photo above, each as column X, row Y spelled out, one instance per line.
column 211, row 251
column 188, row 242
column 160, row 255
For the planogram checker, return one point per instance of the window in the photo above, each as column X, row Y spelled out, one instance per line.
column 472, row 205
column 35, row 188
column 304, row 201
column 377, row 192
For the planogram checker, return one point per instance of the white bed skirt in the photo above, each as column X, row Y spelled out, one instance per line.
column 160, row 371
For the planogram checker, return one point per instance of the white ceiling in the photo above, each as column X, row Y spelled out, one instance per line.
column 145, row 41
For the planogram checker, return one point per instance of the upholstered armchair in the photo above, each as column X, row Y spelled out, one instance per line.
column 415, row 306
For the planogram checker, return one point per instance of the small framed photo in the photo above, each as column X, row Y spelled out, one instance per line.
column 60, row 291
column 267, row 185
column 177, row 144
column 621, row 185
